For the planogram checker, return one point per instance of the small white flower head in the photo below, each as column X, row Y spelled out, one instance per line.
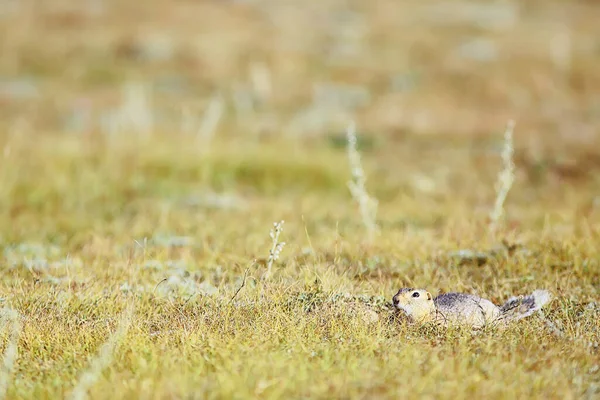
column 274, row 253
column 277, row 229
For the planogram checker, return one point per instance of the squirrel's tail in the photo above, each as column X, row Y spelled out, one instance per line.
column 523, row 306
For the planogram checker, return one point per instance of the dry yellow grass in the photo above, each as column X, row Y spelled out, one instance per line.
column 125, row 243
column 88, row 216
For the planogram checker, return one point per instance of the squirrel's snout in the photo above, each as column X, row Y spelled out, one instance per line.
column 395, row 300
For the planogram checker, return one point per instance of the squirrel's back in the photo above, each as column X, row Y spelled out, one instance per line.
column 465, row 308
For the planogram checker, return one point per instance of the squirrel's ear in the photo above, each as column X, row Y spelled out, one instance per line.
column 428, row 296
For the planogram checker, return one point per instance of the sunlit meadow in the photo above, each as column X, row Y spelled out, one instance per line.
column 218, row 199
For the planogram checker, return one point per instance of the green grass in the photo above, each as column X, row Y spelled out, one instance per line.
column 87, row 213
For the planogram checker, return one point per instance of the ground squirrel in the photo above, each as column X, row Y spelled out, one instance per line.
column 466, row 309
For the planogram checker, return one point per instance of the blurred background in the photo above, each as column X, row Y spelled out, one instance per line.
column 302, row 69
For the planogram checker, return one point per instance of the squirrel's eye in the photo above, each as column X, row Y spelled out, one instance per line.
column 416, row 294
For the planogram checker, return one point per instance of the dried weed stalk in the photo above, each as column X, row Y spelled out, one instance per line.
column 367, row 204
column 275, row 248
column 505, row 178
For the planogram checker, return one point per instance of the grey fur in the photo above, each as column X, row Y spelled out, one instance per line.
column 453, row 299
column 465, row 308
column 528, row 303
column 523, row 306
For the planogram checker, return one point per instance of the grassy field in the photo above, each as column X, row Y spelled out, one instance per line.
column 146, row 153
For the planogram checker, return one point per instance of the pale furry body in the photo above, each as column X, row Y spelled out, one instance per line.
column 466, row 309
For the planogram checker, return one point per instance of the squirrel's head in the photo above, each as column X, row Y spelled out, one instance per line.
column 416, row 303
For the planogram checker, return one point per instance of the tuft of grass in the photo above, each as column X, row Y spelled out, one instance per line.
column 103, row 359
